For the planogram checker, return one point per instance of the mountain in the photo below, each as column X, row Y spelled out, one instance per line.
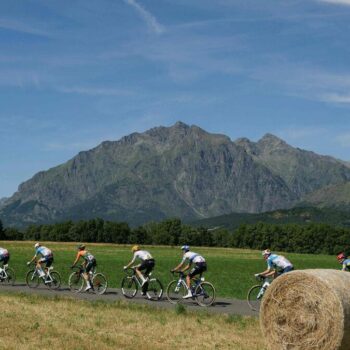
column 336, row 196
column 298, row 215
column 180, row 171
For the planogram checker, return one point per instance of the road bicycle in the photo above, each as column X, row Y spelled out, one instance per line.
column 203, row 292
column 153, row 288
column 256, row 293
column 77, row 281
column 7, row 275
column 51, row 278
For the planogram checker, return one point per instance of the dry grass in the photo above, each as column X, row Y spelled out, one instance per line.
column 30, row 322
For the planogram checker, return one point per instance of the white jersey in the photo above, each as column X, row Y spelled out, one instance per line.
column 142, row 255
column 193, row 257
column 278, row 261
column 3, row 251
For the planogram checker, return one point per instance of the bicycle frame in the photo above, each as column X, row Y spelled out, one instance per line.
column 182, row 280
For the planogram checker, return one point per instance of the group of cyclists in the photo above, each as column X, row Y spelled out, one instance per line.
column 276, row 264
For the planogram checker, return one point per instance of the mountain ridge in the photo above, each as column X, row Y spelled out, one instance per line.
column 181, row 171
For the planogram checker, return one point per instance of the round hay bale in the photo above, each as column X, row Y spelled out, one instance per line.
column 307, row 310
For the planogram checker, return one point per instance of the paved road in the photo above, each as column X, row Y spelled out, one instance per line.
column 224, row 306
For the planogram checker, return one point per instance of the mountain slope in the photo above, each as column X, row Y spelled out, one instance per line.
column 177, row 171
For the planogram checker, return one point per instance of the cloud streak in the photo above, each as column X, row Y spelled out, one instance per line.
column 337, row 2
column 94, row 91
column 16, row 26
column 150, row 20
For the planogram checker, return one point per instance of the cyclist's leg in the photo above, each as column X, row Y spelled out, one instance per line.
column 139, row 268
column 39, row 266
column 197, row 270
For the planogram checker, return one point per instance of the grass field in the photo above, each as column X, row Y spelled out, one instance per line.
column 31, row 322
column 230, row 270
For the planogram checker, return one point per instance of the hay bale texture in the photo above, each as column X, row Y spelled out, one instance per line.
column 307, row 310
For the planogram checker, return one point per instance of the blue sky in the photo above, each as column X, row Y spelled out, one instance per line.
column 75, row 73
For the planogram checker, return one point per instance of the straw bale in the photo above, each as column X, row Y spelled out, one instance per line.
column 307, row 310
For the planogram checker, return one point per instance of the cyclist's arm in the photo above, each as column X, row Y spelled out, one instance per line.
column 130, row 263
column 267, row 273
column 186, row 267
column 33, row 258
column 76, row 259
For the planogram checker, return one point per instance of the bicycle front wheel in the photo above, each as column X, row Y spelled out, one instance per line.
column 11, row 277
column 154, row 289
column 99, row 283
column 176, row 291
column 76, row 282
column 205, row 294
column 129, row 287
column 55, row 280
column 32, row 279
column 254, row 296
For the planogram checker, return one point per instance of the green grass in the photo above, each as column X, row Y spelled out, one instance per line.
column 230, row 270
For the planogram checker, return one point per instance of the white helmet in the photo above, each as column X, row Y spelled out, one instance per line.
column 36, row 245
column 266, row 252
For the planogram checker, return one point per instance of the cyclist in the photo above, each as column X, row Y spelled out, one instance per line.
column 147, row 264
column 344, row 260
column 89, row 264
column 46, row 257
column 200, row 267
column 4, row 257
column 276, row 265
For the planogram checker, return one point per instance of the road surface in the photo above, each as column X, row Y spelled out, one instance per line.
column 224, row 306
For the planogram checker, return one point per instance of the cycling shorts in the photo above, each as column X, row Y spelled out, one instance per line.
column 287, row 269
column 198, row 269
column 147, row 265
column 48, row 260
column 5, row 258
column 90, row 265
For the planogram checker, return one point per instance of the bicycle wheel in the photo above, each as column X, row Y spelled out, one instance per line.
column 254, row 296
column 154, row 289
column 99, row 283
column 129, row 287
column 76, row 282
column 11, row 276
column 56, row 280
column 175, row 291
column 32, row 279
column 205, row 294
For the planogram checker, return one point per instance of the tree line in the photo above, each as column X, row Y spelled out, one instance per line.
column 311, row 238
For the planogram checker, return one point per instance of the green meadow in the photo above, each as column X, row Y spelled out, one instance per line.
column 230, row 270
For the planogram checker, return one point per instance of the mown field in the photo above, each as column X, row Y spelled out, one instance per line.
column 230, row 270
column 31, row 322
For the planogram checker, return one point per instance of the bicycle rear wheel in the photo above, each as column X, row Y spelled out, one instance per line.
column 99, row 283
column 129, row 287
column 175, row 291
column 11, row 277
column 76, row 282
column 155, row 289
column 205, row 294
column 32, row 279
column 254, row 296
column 56, row 280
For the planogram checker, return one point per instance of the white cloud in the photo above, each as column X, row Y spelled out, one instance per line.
column 150, row 20
column 300, row 133
column 343, row 139
column 337, row 2
column 22, row 27
column 94, row 91
column 337, row 98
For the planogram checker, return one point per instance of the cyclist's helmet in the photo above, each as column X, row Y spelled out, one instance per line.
column 186, row 248
column 341, row 257
column 266, row 252
column 135, row 248
column 81, row 246
column 36, row 245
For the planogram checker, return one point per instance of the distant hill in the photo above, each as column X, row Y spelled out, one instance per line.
column 178, row 171
column 295, row 215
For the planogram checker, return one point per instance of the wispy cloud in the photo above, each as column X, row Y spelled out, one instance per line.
column 337, row 98
column 150, row 20
column 94, row 91
column 17, row 26
column 343, row 139
column 337, row 2
column 300, row 133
